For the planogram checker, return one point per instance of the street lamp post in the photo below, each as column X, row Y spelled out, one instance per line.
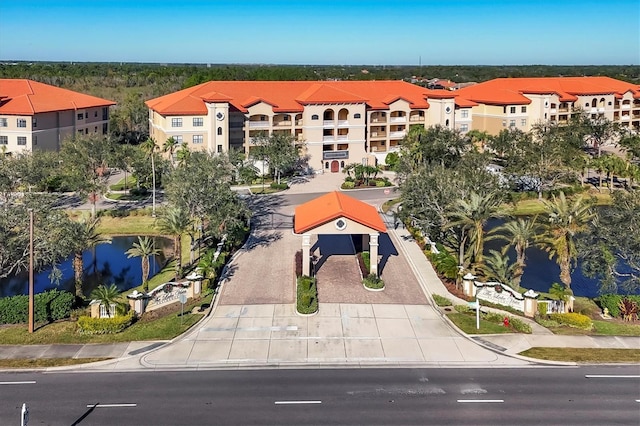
column 31, row 321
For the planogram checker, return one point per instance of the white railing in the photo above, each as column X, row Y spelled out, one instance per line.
column 104, row 313
column 254, row 124
column 398, row 119
column 416, row 118
column 343, row 122
column 379, row 120
column 553, row 110
column 282, row 123
column 343, row 137
column 328, row 138
column 626, row 106
column 553, row 306
column 328, row 123
column 400, row 134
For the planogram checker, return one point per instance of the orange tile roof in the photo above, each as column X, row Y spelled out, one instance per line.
column 447, row 94
column 288, row 96
column 333, row 205
column 28, row 97
column 511, row 91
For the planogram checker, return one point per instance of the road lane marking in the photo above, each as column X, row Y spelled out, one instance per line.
column 297, row 402
column 26, row 382
column 110, row 405
column 481, row 400
column 610, row 376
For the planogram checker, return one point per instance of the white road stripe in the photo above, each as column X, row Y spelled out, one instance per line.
column 610, row 376
column 481, row 400
column 297, row 402
column 110, row 405
column 27, row 382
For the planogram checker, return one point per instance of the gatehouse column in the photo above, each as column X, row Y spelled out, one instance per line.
column 306, row 247
column 373, row 253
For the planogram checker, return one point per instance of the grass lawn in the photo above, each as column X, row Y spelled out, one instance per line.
column 118, row 196
column 46, row 362
column 467, row 324
column 164, row 328
column 388, row 204
column 601, row 328
column 587, row 355
column 130, row 225
column 267, row 190
column 534, row 206
column 119, row 186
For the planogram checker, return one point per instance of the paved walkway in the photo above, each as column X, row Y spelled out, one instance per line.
column 251, row 327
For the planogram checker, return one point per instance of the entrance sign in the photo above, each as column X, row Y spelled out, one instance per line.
column 500, row 294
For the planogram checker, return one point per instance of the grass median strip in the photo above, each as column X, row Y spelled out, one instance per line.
column 46, row 362
column 584, row 355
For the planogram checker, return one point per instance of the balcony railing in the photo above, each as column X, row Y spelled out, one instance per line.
column 398, row 134
column 415, row 118
column 328, row 138
column 553, row 111
column 328, row 123
column 282, row 123
column 378, row 134
column 343, row 123
column 343, row 137
column 398, row 119
column 378, row 119
column 258, row 124
column 626, row 106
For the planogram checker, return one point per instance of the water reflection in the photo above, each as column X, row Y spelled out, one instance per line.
column 105, row 264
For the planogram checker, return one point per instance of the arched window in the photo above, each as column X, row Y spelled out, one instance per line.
column 326, row 164
column 219, row 131
column 356, row 115
column 446, row 123
column 342, row 164
column 314, row 117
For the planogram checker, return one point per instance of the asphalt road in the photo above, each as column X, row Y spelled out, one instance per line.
column 530, row 396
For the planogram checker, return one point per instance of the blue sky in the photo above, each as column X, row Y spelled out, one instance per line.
column 346, row 32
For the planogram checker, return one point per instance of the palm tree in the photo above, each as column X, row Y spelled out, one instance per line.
column 107, row 296
column 472, row 216
column 565, row 220
column 143, row 249
column 519, row 234
column 497, row 267
column 85, row 237
column 183, row 154
column 175, row 221
column 170, row 146
column 149, row 147
column 207, row 266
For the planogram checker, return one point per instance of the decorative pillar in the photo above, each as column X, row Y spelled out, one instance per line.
column 138, row 301
column 373, row 253
column 468, row 284
column 306, row 247
column 530, row 303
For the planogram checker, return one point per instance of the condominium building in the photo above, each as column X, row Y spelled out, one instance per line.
column 37, row 116
column 520, row 103
column 340, row 122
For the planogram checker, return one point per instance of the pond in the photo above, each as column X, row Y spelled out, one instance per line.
column 106, row 264
column 541, row 271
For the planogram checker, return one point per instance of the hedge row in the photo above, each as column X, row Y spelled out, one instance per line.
column 88, row 325
column 612, row 302
column 573, row 319
column 48, row 306
column 307, row 295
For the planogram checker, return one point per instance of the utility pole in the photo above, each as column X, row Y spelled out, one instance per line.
column 31, row 319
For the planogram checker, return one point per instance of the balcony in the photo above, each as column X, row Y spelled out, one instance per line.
column 298, row 122
column 398, row 134
column 626, row 106
column 398, row 119
column 283, row 123
column 416, row 119
column 258, row 124
column 343, row 137
column 328, row 123
column 378, row 134
column 553, row 111
column 566, row 109
column 343, row 123
column 378, row 120
column 329, row 138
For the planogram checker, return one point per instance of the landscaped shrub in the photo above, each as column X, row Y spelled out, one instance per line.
column 373, row 281
column 88, row 325
column 441, row 300
column 520, row 325
column 462, row 309
column 542, row 308
column 573, row 319
column 307, row 295
column 348, row 185
column 48, row 306
column 628, row 309
column 280, row 186
column 298, row 263
column 381, row 183
column 612, row 302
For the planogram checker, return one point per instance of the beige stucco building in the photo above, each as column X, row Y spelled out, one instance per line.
column 37, row 116
column 339, row 122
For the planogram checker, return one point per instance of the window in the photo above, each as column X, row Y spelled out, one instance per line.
column 178, row 139
column 523, row 109
column 105, row 113
column 356, row 115
column 587, row 105
column 4, row 140
column 34, row 140
column 326, row 163
column 523, row 122
column 3, row 122
column 22, row 140
column 219, row 148
column 80, row 116
column 464, row 113
column 95, row 113
column 34, row 122
column 219, row 131
column 512, row 110
column 105, row 128
column 22, row 122
column 504, row 123
column 176, row 122
column 86, row 115
column 315, row 117
column 198, row 122
column 512, row 123
column 198, row 139
column 464, row 127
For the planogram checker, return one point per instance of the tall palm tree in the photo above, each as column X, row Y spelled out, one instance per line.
column 175, row 221
column 107, row 296
column 150, row 147
column 183, row 154
column 143, row 249
column 170, row 146
column 565, row 220
column 86, row 237
column 472, row 215
column 519, row 234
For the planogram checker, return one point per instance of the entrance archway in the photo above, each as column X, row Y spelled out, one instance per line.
column 335, row 166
